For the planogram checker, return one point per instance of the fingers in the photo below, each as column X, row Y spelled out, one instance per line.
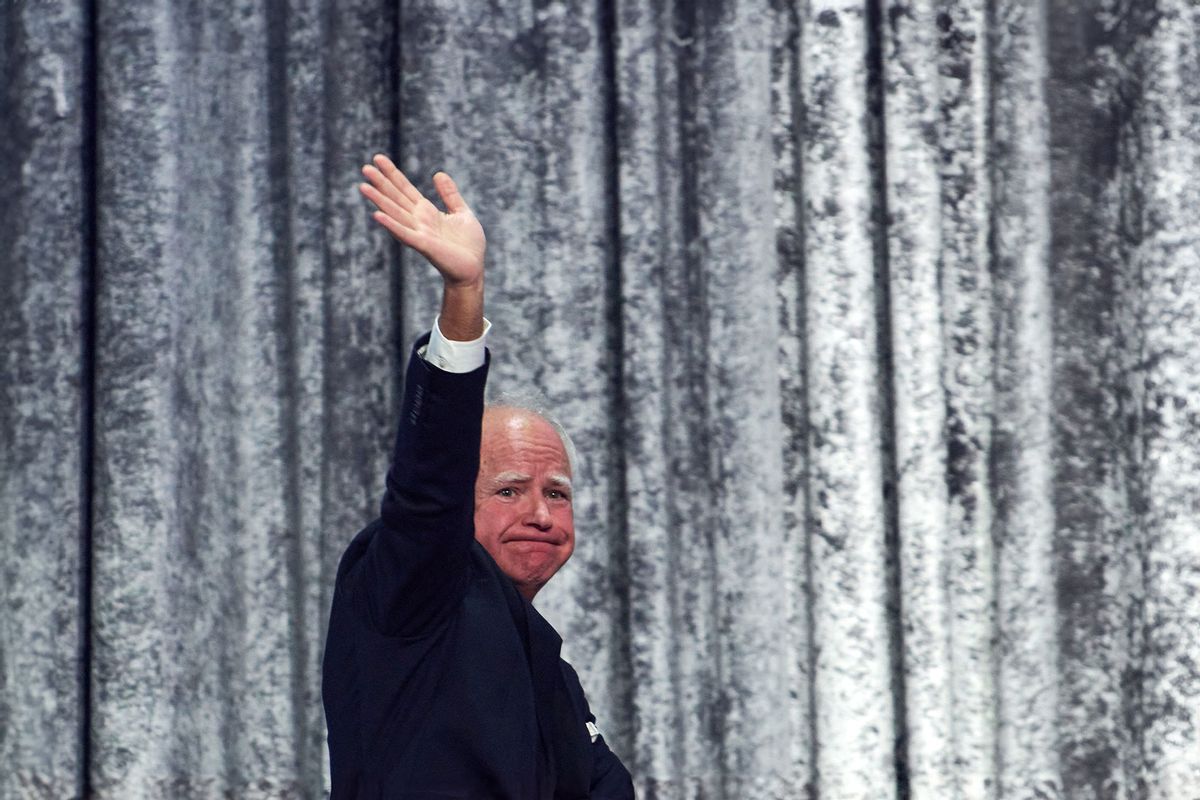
column 391, row 183
column 448, row 191
column 388, row 189
column 387, row 205
column 384, row 188
column 395, row 184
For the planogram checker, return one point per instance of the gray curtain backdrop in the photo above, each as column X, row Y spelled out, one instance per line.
column 876, row 323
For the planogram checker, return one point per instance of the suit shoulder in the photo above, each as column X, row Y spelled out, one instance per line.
column 357, row 547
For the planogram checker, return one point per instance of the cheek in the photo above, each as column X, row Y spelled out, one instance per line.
column 489, row 522
column 566, row 521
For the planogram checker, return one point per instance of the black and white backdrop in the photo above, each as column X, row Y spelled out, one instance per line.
column 875, row 321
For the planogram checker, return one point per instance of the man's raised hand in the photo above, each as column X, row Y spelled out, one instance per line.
column 453, row 240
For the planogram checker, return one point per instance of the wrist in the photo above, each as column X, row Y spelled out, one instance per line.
column 463, row 284
column 461, row 318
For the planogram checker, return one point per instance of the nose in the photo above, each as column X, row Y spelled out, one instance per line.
column 538, row 515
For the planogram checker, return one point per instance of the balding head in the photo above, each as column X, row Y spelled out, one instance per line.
column 535, row 403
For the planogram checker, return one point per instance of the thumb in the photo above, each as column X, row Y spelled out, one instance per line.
column 448, row 191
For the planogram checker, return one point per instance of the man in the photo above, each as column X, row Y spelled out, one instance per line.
column 440, row 678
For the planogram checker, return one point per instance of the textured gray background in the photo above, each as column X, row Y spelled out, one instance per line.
column 876, row 322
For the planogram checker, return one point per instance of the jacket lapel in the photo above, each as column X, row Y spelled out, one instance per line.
column 564, row 734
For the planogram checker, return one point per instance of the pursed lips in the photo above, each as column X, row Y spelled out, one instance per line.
column 535, row 539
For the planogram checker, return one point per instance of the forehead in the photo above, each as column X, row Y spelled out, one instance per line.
column 513, row 436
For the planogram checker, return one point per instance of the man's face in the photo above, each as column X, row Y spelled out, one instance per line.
column 523, row 514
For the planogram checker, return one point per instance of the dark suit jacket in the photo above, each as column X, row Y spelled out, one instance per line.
column 440, row 680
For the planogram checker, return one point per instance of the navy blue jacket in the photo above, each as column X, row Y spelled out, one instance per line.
column 439, row 679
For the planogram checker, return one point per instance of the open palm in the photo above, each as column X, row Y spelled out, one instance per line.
column 452, row 240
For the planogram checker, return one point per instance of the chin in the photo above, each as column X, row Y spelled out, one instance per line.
column 524, row 574
column 532, row 577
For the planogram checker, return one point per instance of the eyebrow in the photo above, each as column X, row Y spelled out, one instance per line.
column 511, row 476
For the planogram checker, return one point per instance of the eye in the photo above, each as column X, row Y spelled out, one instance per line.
column 557, row 494
column 507, row 491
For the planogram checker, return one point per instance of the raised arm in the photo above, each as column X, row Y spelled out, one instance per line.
column 411, row 569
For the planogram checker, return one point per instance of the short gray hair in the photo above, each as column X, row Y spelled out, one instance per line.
column 534, row 402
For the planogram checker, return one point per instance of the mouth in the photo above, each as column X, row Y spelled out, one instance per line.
column 533, row 540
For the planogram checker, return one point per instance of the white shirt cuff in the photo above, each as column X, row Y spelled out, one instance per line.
column 451, row 356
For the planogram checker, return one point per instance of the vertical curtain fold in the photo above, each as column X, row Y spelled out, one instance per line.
column 1020, row 458
column 1164, row 276
column 44, row 265
column 649, row 224
column 795, row 625
column 913, row 102
column 1094, row 547
column 846, row 525
column 967, row 318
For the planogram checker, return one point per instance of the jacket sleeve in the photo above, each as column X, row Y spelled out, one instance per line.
column 414, row 569
column 610, row 779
